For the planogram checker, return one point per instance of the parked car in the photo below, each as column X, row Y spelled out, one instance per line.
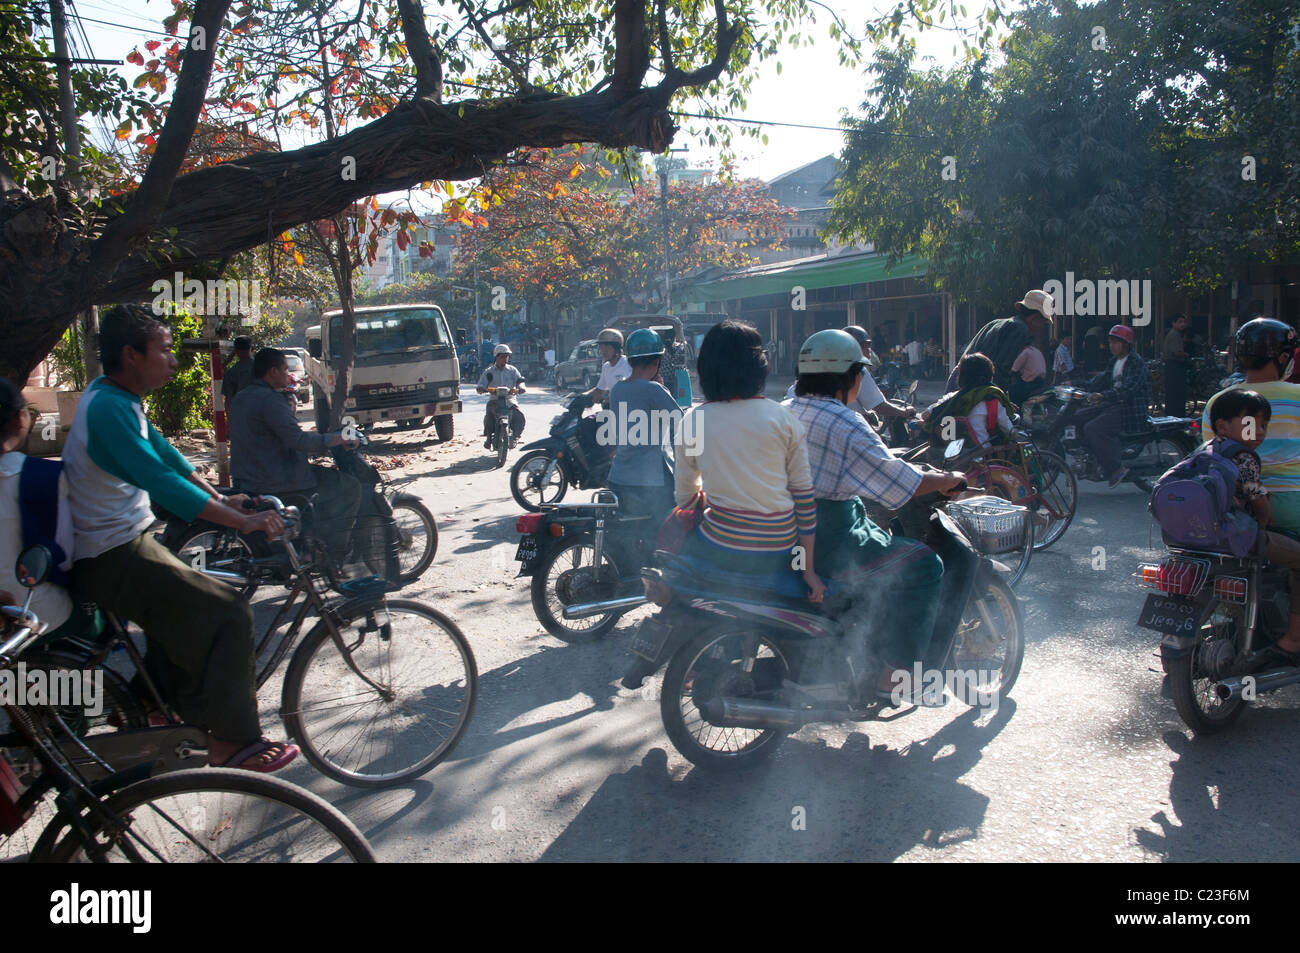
column 582, row 369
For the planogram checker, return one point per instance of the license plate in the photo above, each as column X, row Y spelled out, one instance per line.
column 527, row 550
column 1068, row 434
column 650, row 638
column 1172, row 614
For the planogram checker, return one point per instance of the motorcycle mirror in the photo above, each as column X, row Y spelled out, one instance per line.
column 33, row 566
column 954, row 448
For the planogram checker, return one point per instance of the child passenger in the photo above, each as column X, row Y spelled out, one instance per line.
column 1243, row 416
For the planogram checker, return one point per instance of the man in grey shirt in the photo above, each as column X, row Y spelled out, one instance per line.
column 268, row 454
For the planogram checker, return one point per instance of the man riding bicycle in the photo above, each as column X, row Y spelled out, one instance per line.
column 199, row 630
column 501, row 373
column 269, row 451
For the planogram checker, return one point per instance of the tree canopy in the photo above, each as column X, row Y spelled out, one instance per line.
column 561, row 225
column 1127, row 138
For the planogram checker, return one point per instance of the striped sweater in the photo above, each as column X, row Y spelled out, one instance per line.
column 750, row 459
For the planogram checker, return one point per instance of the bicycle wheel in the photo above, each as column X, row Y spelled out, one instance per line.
column 1058, row 495
column 417, row 537
column 216, row 548
column 359, row 735
column 218, row 815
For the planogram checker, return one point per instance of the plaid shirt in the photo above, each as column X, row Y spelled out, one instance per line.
column 848, row 458
column 1134, row 391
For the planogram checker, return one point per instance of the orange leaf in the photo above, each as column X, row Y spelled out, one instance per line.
column 135, row 57
column 297, row 257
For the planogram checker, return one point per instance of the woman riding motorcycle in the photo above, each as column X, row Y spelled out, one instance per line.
column 747, row 455
column 894, row 579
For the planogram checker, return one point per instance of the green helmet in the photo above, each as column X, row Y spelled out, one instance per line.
column 829, row 352
column 643, row 343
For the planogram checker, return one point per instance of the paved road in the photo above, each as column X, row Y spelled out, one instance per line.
column 1085, row 762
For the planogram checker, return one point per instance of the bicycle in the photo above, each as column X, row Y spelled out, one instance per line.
column 125, row 815
column 1020, row 473
column 378, row 691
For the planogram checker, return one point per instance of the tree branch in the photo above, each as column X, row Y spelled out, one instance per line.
column 428, row 67
column 520, row 77
column 148, row 202
column 631, row 57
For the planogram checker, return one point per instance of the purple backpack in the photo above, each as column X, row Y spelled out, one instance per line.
column 1193, row 502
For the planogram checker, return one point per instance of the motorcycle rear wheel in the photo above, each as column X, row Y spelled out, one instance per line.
column 709, row 665
column 991, row 640
column 566, row 576
column 1193, row 691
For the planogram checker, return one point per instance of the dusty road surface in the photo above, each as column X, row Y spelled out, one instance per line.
column 1085, row 761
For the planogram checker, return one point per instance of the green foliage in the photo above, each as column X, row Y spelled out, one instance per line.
column 1111, row 154
column 184, row 403
column 68, row 359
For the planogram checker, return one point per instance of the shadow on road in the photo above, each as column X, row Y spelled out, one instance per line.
column 1230, row 797
column 858, row 803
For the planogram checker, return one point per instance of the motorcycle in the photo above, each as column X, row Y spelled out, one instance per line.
column 501, row 441
column 570, row 456
column 585, row 562
column 1052, row 419
column 750, row 660
column 1214, row 613
column 396, row 529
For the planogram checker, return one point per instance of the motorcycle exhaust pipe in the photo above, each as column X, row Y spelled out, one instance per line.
column 581, row 610
column 748, row 713
column 1230, row 688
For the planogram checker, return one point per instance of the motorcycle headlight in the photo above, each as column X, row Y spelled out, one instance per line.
column 446, row 391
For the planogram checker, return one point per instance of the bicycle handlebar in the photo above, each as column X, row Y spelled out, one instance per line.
column 29, row 631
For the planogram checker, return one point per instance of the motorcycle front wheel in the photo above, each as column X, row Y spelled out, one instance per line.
column 1191, row 680
column 566, row 576
column 503, row 442
column 989, row 648
column 710, row 667
column 538, row 479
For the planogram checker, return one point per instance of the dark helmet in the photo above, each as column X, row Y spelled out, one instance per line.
column 1262, row 340
column 858, row 334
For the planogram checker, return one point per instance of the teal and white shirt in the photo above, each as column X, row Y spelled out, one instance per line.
column 114, row 461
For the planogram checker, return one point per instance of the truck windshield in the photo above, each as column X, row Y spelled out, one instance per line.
column 393, row 332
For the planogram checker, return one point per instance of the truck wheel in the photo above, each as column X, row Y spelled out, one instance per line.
column 445, row 426
column 320, row 403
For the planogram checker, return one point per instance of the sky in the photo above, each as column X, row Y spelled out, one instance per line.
column 812, row 89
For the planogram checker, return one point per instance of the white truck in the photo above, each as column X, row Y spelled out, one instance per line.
column 405, row 369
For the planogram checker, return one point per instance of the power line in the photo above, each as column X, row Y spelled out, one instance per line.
column 798, row 125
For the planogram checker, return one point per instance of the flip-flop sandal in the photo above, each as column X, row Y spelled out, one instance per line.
column 242, row 757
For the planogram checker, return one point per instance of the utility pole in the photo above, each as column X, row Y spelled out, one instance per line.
column 664, row 165
column 72, row 165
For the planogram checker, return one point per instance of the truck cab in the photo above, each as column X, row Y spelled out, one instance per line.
column 405, row 369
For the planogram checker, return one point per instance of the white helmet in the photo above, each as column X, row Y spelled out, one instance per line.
column 501, row 349
column 829, row 352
